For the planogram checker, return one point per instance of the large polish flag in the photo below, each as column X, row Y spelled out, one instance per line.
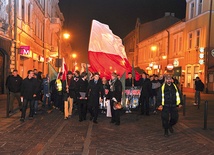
column 64, row 70
column 106, row 52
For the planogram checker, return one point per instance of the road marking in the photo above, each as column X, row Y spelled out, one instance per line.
column 87, row 140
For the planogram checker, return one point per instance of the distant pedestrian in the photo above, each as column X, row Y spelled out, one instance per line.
column 59, row 95
column 68, row 87
column 29, row 89
column 46, row 91
column 82, row 96
column 94, row 94
column 199, row 86
column 38, row 93
column 115, row 95
column 146, row 93
column 130, row 81
column 13, row 84
column 169, row 98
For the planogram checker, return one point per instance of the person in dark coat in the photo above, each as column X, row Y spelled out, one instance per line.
column 13, row 84
column 130, row 81
column 29, row 90
column 68, row 88
column 82, row 96
column 116, row 95
column 46, row 91
column 38, row 93
column 199, row 86
column 146, row 92
column 168, row 99
column 94, row 94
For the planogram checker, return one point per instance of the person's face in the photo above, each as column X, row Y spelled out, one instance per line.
column 31, row 74
column 60, row 77
column 15, row 73
column 129, row 76
column 144, row 76
column 96, row 77
column 169, row 81
column 104, row 80
column 70, row 76
column 156, row 78
column 113, row 77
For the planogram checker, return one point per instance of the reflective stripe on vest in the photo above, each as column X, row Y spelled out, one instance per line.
column 178, row 99
column 59, row 85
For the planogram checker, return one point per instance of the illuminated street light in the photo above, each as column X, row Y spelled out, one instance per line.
column 153, row 48
column 66, row 35
column 74, row 55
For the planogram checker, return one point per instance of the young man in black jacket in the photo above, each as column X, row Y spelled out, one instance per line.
column 29, row 89
column 115, row 96
column 13, row 84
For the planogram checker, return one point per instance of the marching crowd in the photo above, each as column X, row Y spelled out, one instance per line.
column 77, row 91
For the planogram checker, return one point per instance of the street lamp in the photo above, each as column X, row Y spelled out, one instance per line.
column 66, row 36
column 155, row 48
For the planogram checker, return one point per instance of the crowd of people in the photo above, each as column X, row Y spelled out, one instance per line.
column 86, row 95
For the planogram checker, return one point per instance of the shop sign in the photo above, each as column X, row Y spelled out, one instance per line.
column 35, row 56
column 25, row 51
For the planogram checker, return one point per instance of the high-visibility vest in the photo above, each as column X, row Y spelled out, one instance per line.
column 178, row 99
column 59, row 85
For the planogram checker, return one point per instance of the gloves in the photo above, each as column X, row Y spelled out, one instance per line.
column 114, row 99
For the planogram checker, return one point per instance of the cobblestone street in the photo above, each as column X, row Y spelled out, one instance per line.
column 49, row 133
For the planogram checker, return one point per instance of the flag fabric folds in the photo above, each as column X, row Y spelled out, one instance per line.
column 106, row 52
column 64, row 70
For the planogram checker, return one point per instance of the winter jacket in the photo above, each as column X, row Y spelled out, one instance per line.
column 14, row 83
column 29, row 88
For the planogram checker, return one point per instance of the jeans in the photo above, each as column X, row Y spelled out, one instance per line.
column 197, row 96
column 24, row 107
column 44, row 100
column 35, row 106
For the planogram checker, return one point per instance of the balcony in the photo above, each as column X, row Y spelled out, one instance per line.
column 56, row 24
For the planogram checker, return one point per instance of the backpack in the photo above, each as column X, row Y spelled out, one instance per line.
column 201, row 86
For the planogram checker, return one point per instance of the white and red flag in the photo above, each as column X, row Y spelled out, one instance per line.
column 106, row 52
column 64, row 70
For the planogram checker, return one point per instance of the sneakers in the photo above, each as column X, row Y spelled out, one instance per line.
column 195, row 103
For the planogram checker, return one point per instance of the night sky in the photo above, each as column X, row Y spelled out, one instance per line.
column 120, row 15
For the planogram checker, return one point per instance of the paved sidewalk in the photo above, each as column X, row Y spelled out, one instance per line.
column 49, row 133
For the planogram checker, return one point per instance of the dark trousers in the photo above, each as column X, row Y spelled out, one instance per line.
column 115, row 113
column 12, row 97
column 59, row 102
column 82, row 109
column 24, row 107
column 169, row 116
column 144, row 105
column 93, row 110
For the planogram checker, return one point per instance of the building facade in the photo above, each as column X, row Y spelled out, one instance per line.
column 29, row 36
column 184, row 49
